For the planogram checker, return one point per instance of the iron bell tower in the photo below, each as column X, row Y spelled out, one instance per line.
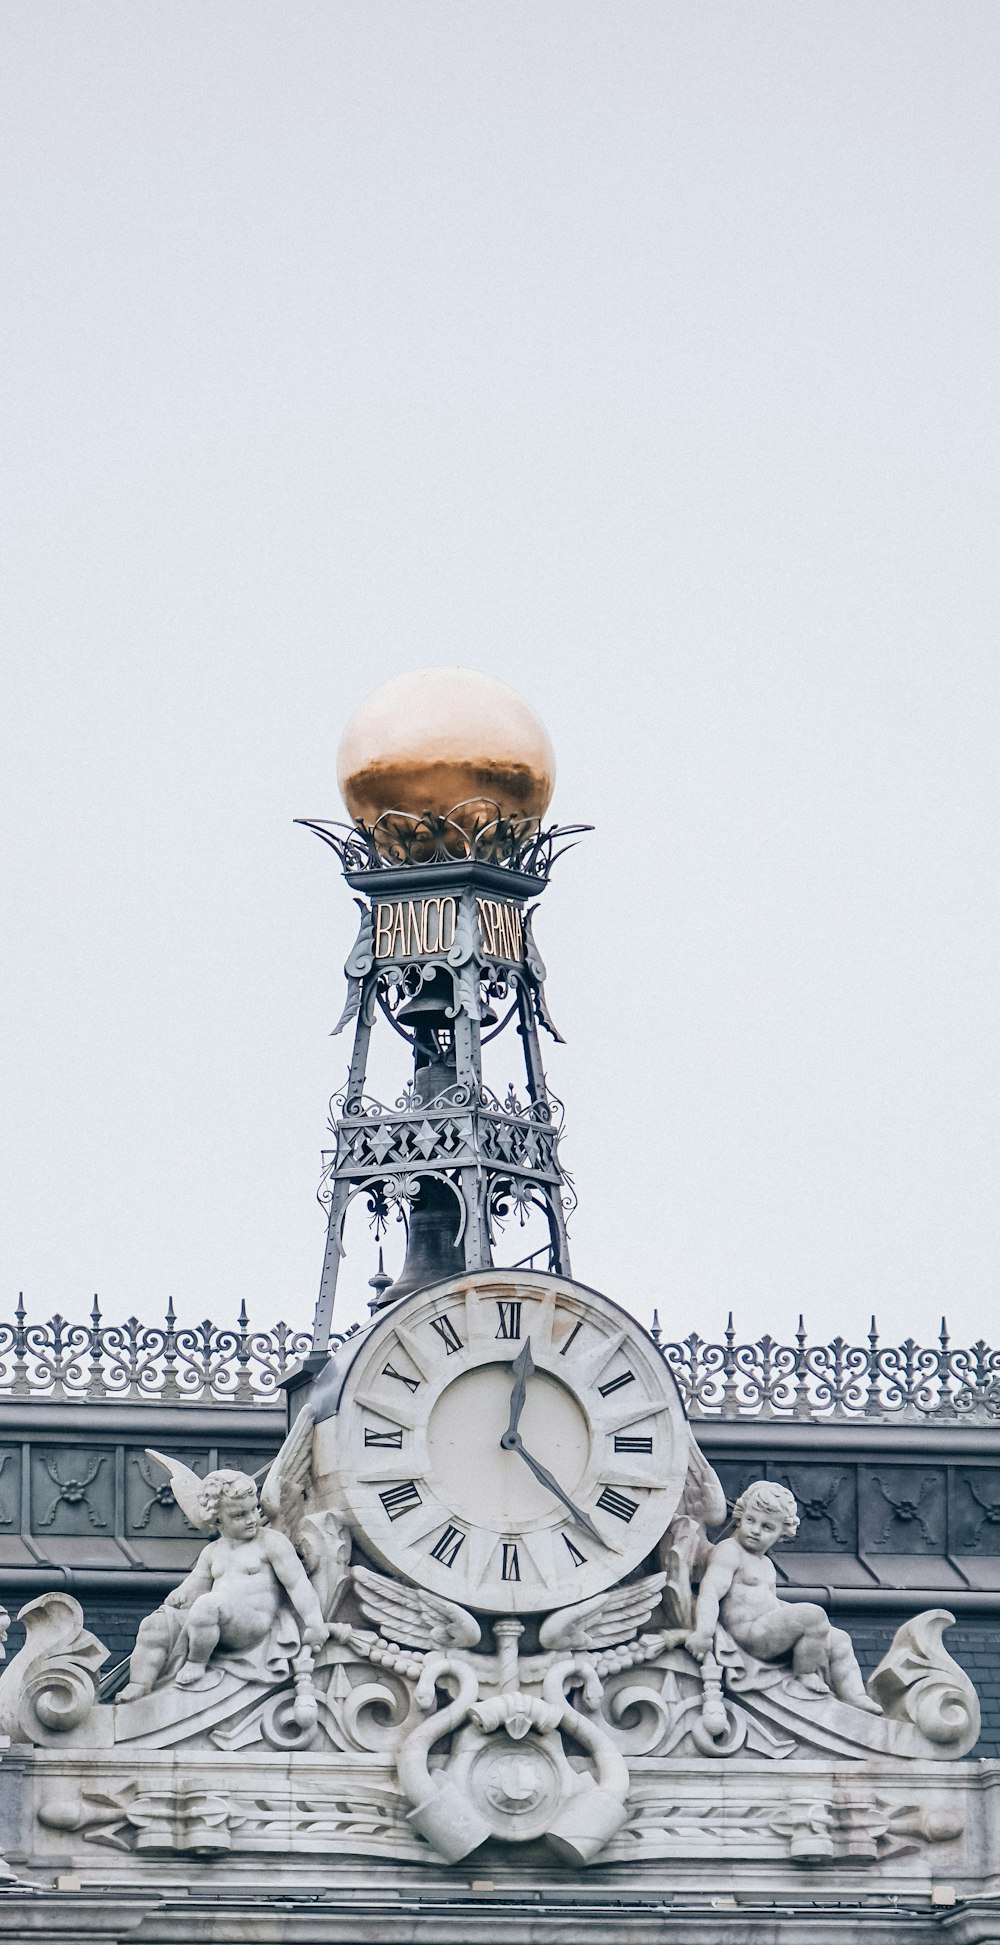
column 445, row 959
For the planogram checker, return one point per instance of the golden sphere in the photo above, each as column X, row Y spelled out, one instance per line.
column 438, row 738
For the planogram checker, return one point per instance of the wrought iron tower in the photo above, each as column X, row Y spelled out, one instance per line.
column 445, row 955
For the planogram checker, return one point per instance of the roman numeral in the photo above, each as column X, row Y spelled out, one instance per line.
column 393, row 1439
column 389, row 1371
column 618, row 1503
column 447, row 1333
column 573, row 1333
column 575, row 1555
column 510, row 1319
column 510, row 1568
column 449, row 1546
column 615, row 1384
column 633, row 1444
column 399, row 1499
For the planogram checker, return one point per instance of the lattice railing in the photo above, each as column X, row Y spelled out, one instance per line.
column 201, row 1363
column 164, row 1363
column 837, row 1380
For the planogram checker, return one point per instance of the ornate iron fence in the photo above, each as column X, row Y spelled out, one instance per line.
column 167, row 1364
column 207, row 1362
column 837, row 1380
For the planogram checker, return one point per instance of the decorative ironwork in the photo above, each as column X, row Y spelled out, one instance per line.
column 718, row 1379
column 726, row 1379
column 375, row 1142
column 400, row 838
column 146, row 1363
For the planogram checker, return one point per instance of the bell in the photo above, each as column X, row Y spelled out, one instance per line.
column 429, row 1007
column 431, row 1250
column 434, row 997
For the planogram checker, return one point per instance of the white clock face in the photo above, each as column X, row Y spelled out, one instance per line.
column 439, row 1487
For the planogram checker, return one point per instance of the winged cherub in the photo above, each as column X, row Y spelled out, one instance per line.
column 249, row 1599
column 739, row 1588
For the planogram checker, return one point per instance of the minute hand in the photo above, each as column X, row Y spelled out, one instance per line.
column 522, row 1368
column 544, row 1477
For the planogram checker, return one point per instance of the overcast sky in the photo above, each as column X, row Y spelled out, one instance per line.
column 643, row 354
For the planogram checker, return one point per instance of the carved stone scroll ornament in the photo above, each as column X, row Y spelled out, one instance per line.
column 50, row 1687
column 928, row 1709
column 922, row 1689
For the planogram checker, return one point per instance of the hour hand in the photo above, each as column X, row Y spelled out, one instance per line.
column 544, row 1477
column 522, row 1368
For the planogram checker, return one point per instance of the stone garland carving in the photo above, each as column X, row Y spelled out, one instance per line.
column 439, row 1740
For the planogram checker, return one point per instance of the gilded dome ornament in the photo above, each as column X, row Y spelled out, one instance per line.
column 450, row 746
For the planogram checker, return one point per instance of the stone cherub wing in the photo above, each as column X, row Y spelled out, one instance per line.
column 702, row 1498
column 187, row 1489
column 606, row 1619
column 287, row 1501
column 684, row 1549
column 285, row 1492
column 411, row 1618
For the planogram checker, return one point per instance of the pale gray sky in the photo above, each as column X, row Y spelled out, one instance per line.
column 644, row 354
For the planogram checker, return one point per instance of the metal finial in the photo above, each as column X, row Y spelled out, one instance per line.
column 380, row 1283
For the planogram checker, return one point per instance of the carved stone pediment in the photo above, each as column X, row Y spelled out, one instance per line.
column 430, row 1726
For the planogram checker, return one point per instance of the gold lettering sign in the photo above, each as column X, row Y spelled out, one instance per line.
column 410, row 928
column 501, row 928
column 413, row 928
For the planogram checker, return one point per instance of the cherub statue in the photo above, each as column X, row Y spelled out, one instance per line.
column 249, row 1600
column 739, row 1587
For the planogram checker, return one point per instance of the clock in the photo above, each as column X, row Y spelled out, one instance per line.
column 510, row 1440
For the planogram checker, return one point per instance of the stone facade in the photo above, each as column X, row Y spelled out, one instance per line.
column 384, row 1763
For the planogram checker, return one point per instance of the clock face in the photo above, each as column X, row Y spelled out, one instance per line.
column 570, row 1502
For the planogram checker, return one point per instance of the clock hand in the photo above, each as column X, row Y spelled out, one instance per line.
column 522, row 1368
column 551, row 1485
